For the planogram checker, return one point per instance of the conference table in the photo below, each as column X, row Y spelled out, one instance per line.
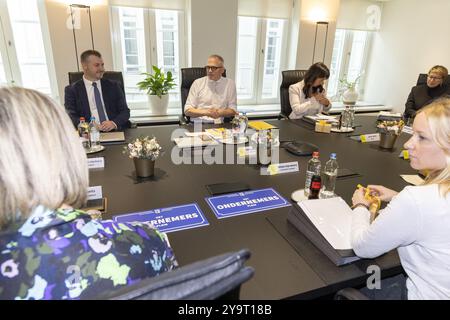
column 287, row 265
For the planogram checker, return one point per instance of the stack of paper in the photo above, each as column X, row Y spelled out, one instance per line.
column 327, row 224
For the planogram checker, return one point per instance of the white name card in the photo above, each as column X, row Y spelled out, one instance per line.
column 407, row 130
column 95, row 193
column 277, row 168
column 96, row 163
column 370, row 137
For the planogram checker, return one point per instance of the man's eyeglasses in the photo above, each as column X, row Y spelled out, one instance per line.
column 434, row 78
column 212, row 68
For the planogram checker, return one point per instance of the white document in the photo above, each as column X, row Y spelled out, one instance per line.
column 190, row 142
column 323, row 117
column 333, row 218
column 94, row 193
column 413, row 179
column 112, row 136
column 195, row 134
column 96, row 163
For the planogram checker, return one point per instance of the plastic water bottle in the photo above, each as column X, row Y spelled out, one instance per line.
column 329, row 178
column 313, row 167
column 346, row 119
column 352, row 116
column 95, row 133
column 84, row 132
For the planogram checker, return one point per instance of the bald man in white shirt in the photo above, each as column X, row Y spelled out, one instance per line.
column 213, row 97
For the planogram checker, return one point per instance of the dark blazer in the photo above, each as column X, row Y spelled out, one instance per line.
column 77, row 103
column 419, row 97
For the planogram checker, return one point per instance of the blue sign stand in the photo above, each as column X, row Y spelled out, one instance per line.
column 246, row 202
column 169, row 219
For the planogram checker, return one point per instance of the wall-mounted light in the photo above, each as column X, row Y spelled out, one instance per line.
column 322, row 24
column 88, row 8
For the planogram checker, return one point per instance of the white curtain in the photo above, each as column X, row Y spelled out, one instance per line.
column 276, row 9
column 154, row 4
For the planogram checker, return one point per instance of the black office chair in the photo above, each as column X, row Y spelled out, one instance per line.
column 422, row 79
column 188, row 76
column 219, row 277
column 110, row 75
column 289, row 77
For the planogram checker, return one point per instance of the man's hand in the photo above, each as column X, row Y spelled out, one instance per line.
column 214, row 113
column 107, row 126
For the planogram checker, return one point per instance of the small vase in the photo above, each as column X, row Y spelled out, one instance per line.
column 144, row 167
column 350, row 96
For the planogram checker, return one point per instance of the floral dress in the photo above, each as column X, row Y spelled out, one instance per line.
column 64, row 254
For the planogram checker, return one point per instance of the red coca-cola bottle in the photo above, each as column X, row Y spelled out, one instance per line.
column 314, row 189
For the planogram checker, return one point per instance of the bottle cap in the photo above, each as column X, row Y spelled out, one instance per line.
column 82, row 118
column 333, row 156
column 316, row 154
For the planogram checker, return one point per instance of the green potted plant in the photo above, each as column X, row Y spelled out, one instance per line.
column 157, row 86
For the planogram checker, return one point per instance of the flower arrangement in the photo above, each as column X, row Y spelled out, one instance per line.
column 345, row 83
column 390, row 127
column 143, row 148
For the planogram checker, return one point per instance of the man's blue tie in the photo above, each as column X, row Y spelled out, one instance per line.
column 98, row 103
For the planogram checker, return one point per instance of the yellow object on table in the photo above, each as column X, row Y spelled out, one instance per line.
column 375, row 203
column 323, row 127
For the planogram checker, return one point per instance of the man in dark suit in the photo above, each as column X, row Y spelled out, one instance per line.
column 94, row 96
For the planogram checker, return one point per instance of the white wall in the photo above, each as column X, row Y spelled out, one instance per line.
column 62, row 42
column 414, row 36
column 213, row 25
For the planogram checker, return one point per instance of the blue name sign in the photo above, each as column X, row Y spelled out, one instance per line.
column 246, row 202
column 169, row 219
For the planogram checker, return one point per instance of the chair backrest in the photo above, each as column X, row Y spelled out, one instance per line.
column 422, row 79
column 110, row 75
column 188, row 76
column 219, row 277
column 289, row 77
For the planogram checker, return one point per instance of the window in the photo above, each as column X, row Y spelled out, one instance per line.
column 22, row 50
column 260, row 57
column 147, row 37
column 349, row 60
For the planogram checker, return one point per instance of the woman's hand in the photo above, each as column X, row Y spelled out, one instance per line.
column 385, row 194
column 359, row 197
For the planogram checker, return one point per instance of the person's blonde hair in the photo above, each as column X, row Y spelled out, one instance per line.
column 42, row 161
column 438, row 117
column 441, row 70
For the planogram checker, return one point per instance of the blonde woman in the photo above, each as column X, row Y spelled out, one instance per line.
column 437, row 86
column 48, row 249
column 417, row 220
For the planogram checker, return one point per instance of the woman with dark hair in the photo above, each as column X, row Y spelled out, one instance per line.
column 308, row 96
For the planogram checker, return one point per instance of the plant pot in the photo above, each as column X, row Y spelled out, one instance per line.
column 387, row 140
column 144, row 167
column 158, row 106
column 350, row 96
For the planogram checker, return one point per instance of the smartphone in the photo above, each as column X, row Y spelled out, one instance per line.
column 222, row 188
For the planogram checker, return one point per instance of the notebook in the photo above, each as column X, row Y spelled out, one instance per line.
column 191, row 142
column 112, row 136
column 327, row 224
column 260, row 125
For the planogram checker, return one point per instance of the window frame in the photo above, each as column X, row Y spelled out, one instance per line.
column 151, row 52
column 344, row 62
column 260, row 55
column 8, row 49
